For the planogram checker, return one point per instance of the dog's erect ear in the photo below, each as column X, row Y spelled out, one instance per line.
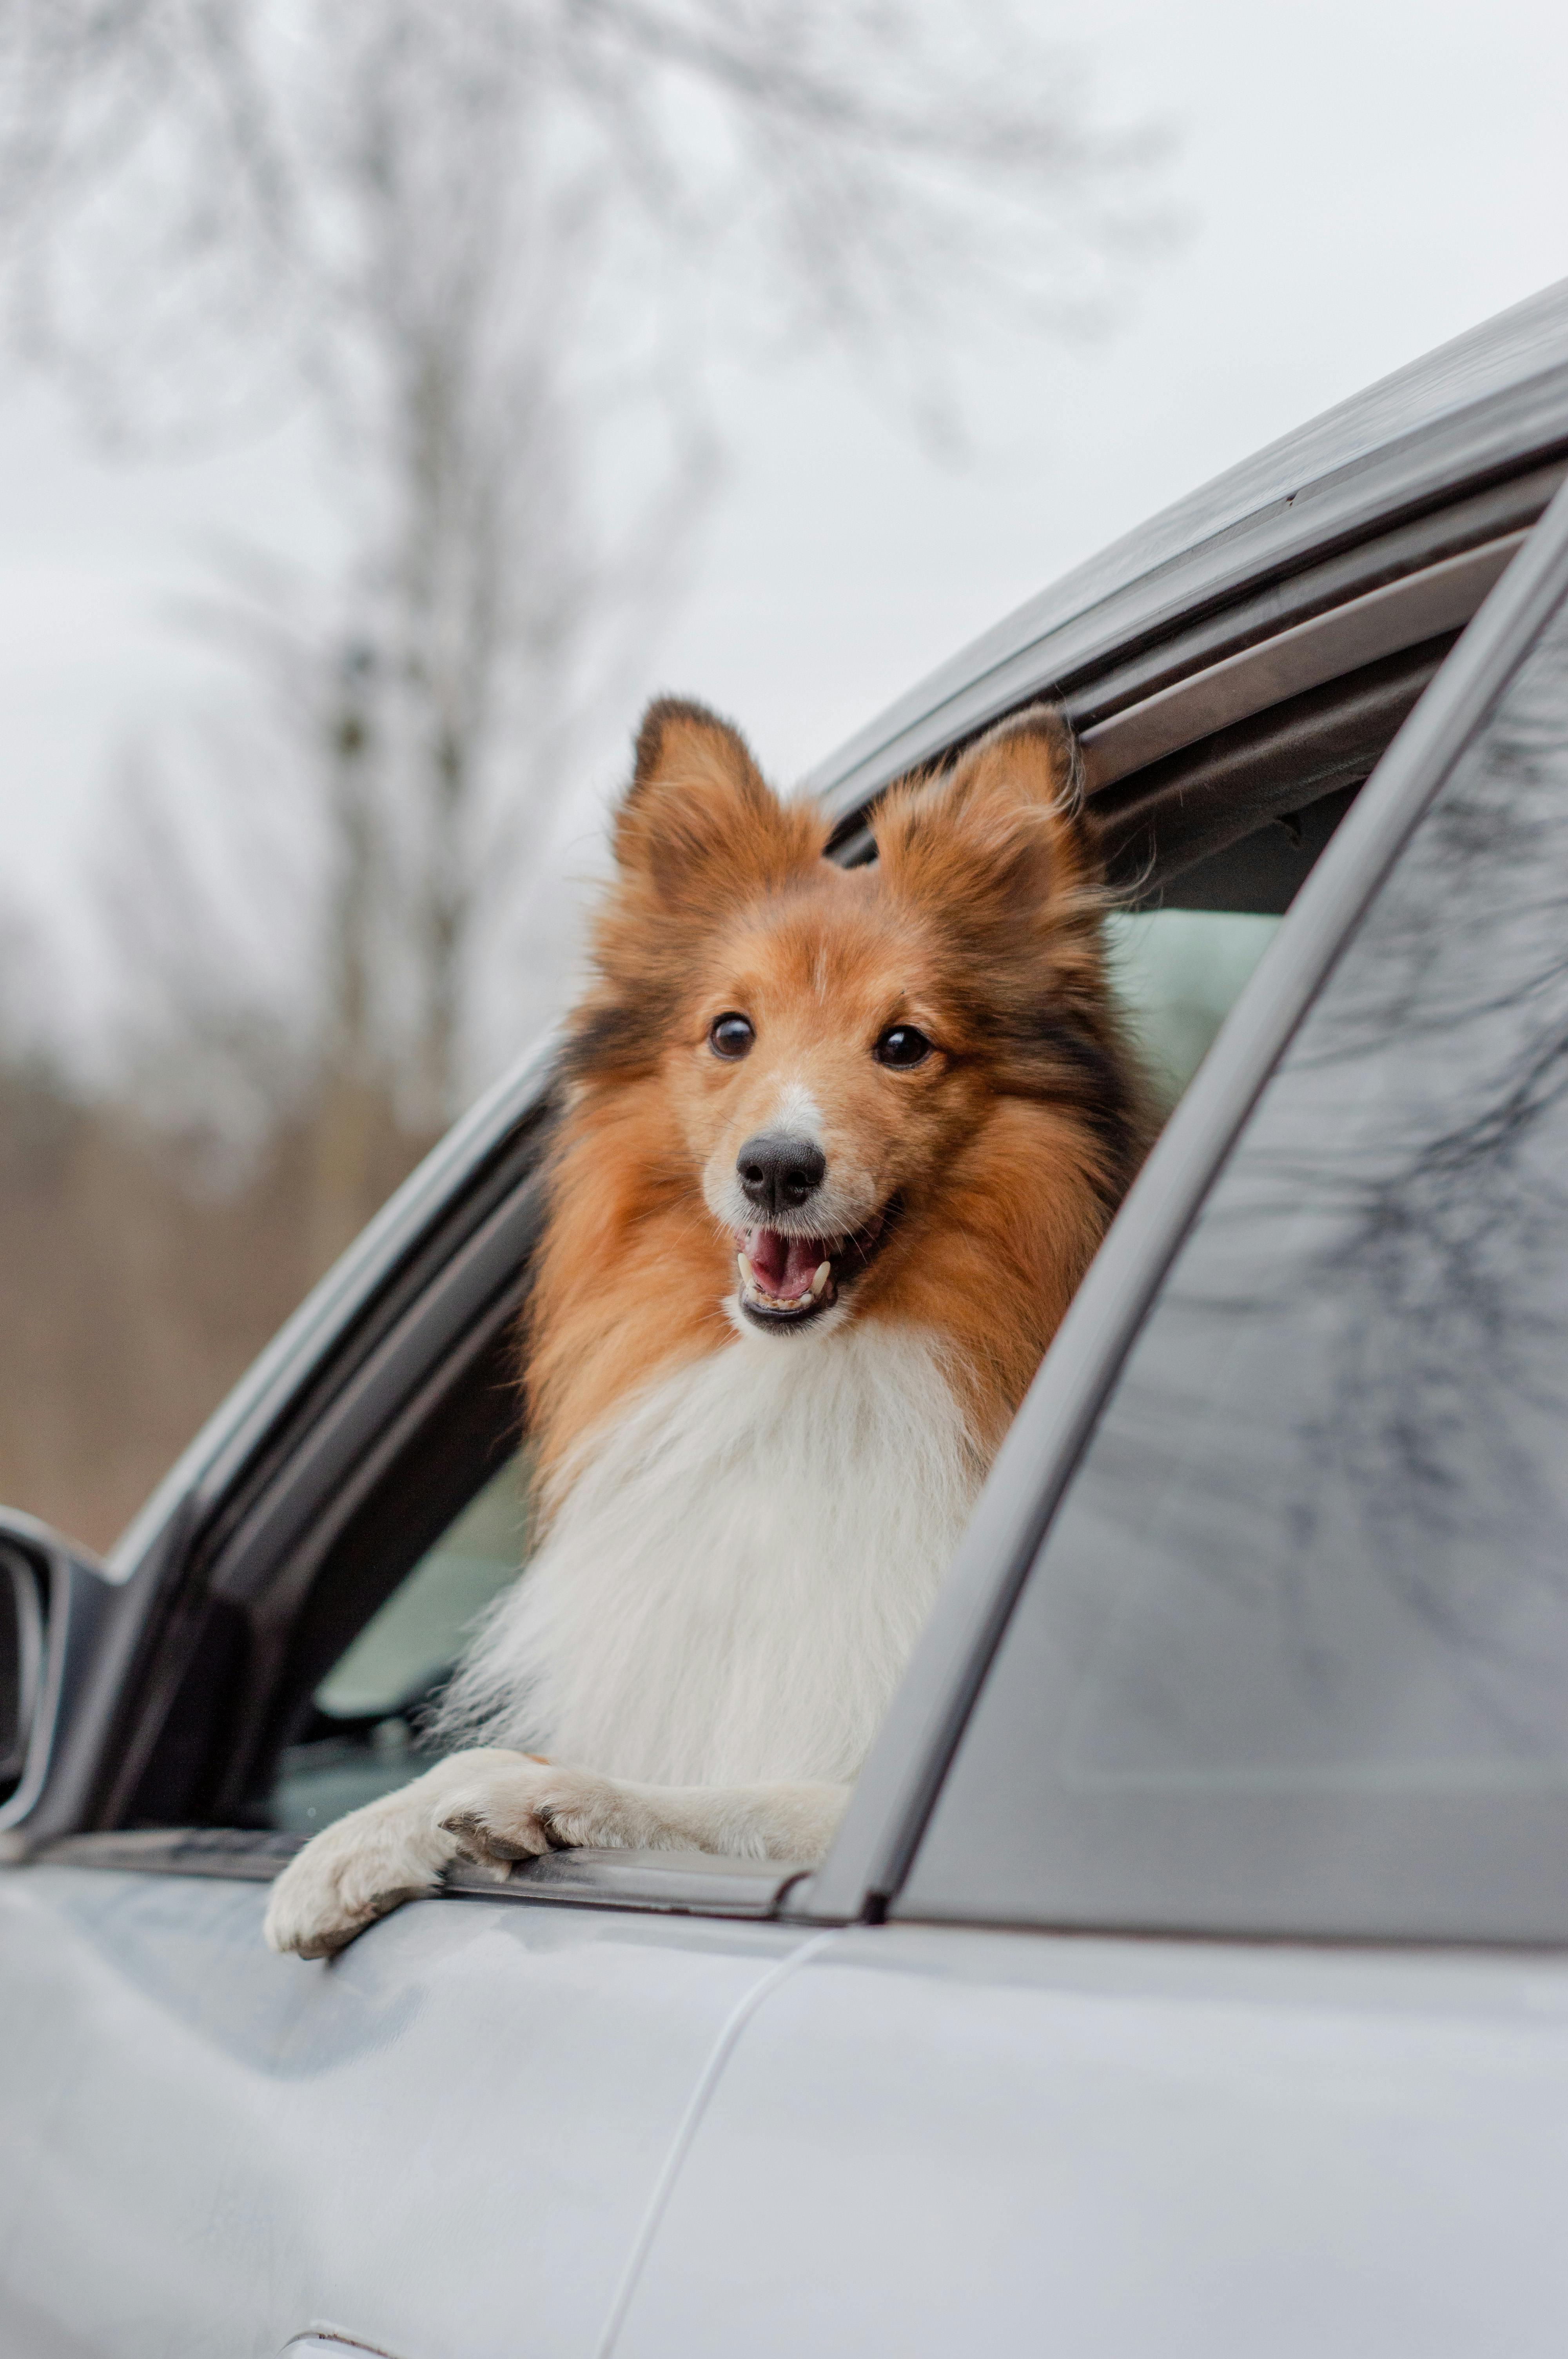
column 998, row 841
column 699, row 811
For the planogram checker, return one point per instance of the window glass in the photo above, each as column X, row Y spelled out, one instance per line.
column 363, row 1735
column 1178, row 973
column 1295, row 1655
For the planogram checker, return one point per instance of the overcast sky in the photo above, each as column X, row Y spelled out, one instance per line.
column 1358, row 180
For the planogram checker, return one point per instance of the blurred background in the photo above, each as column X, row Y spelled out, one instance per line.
column 394, row 394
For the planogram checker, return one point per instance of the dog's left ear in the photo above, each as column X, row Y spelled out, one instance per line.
column 699, row 814
column 1000, row 840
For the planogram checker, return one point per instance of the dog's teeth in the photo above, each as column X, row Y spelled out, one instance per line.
column 741, row 1265
column 820, row 1277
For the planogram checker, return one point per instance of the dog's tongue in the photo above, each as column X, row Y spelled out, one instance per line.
column 783, row 1265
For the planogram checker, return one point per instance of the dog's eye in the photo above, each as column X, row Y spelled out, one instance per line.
column 903, row 1046
column 729, row 1036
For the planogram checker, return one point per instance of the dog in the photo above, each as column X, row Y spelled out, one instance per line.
column 839, row 1143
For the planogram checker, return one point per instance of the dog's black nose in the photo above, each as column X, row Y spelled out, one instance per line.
column 777, row 1173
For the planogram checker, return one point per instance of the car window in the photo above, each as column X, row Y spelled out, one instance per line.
column 363, row 1733
column 1294, row 1656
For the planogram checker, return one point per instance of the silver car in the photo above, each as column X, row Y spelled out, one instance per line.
column 1189, row 1976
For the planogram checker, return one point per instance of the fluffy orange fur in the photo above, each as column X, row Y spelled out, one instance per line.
column 1008, row 1149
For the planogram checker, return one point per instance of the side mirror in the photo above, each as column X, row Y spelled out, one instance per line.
column 47, row 1588
column 21, row 1663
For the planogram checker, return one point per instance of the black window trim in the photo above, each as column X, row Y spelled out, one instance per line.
column 669, row 1883
column 888, row 1811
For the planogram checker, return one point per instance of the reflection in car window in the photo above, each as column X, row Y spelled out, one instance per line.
column 1178, row 973
column 1297, row 1647
column 363, row 1735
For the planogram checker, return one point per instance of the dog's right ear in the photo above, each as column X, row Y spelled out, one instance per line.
column 698, row 814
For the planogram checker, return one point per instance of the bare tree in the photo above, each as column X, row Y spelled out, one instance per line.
column 492, row 250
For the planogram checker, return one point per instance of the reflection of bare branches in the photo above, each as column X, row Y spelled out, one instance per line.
column 1423, row 1164
column 1444, row 1189
column 1343, row 1432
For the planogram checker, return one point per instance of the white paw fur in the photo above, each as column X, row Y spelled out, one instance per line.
column 393, row 1850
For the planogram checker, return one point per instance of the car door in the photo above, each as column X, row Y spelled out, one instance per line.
column 1211, row 1991
column 442, row 2144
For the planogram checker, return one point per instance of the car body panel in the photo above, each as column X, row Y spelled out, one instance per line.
column 935, row 2141
column 444, row 2143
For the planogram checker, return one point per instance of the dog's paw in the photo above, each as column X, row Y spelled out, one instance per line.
column 352, row 1873
column 521, row 1809
column 493, row 1808
column 368, row 1863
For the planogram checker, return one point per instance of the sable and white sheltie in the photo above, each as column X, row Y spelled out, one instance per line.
column 838, row 1145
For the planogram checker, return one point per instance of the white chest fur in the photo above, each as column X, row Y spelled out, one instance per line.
column 731, row 1587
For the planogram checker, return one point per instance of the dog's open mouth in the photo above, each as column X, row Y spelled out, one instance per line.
column 786, row 1281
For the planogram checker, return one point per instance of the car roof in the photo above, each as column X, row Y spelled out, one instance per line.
column 1475, row 410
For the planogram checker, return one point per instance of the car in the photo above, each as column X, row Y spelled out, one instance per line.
column 1188, row 1974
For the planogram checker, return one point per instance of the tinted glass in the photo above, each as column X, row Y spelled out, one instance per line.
column 364, row 1732
column 1178, row 973
column 1295, row 1655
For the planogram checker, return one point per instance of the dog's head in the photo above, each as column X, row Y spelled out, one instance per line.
column 828, row 1045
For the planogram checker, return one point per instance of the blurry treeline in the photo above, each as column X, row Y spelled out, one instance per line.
column 135, row 1281
column 492, row 261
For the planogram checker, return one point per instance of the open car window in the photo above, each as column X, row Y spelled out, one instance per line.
column 345, row 1587
column 358, row 1726
column 363, row 1731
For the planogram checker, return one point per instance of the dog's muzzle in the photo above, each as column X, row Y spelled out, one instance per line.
column 787, row 1281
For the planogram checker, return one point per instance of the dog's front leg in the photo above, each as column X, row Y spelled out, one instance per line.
column 501, row 1816
column 496, row 1807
